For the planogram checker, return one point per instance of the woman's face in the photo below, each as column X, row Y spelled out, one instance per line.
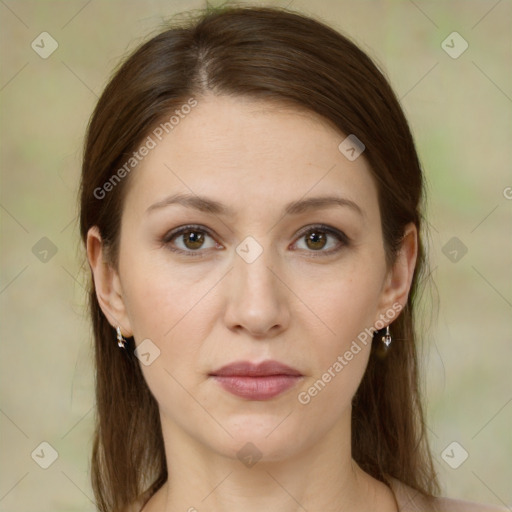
column 268, row 271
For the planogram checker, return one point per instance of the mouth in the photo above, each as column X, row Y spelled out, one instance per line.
column 251, row 381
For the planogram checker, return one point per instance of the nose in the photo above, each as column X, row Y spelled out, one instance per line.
column 257, row 299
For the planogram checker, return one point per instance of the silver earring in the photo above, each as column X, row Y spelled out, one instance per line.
column 386, row 339
column 121, row 342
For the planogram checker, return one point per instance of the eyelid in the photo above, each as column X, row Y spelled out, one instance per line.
column 343, row 239
column 323, row 227
column 183, row 229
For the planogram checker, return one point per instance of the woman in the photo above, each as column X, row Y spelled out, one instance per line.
column 251, row 210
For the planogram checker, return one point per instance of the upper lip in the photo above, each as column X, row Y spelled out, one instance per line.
column 249, row 369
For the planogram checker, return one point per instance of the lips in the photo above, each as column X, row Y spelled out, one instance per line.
column 256, row 381
column 248, row 369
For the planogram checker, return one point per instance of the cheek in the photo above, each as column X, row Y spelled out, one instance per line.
column 347, row 304
column 347, row 307
column 345, row 301
column 174, row 311
column 161, row 296
column 339, row 358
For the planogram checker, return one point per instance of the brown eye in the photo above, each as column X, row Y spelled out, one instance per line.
column 323, row 240
column 193, row 239
column 190, row 240
column 316, row 240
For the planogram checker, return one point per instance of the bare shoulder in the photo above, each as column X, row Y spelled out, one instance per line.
column 449, row 505
column 410, row 500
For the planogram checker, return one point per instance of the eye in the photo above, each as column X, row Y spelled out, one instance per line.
column 189, row 239
column 320, row 239
column 192, row 240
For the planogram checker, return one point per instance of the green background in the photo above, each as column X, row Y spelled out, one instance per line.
column 460, row 112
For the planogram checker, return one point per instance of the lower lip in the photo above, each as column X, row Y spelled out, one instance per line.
column 257, row 388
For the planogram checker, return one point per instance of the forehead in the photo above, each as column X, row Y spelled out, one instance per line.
column 235, row 148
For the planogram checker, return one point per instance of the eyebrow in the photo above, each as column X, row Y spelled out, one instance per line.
column 205, row 204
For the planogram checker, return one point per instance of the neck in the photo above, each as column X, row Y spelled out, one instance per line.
column 322, row 476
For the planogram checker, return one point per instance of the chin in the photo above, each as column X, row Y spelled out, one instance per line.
column 263, row 439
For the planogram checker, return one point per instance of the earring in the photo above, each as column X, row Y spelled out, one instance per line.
column 121, row 342
column 386, row 339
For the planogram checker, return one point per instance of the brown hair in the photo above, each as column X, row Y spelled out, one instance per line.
column 276, row 55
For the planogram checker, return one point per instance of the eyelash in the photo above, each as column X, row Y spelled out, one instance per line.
column 343, row 239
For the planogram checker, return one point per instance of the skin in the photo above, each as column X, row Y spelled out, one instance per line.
column 295, row 304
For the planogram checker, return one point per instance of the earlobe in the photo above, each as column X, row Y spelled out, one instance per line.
column 107, row 283
column 399, row 278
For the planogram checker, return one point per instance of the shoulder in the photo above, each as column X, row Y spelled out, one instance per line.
column 410, row 500
column 448, row 505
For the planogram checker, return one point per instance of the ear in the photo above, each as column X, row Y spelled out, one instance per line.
column 399, row 278
column 107, row 284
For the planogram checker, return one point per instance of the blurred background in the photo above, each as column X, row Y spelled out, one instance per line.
column 449, row 63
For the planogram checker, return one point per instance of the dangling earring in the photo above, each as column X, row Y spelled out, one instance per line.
column 386, row 339
column 121, row 342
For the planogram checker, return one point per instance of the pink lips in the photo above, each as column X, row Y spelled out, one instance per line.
column 256, row 381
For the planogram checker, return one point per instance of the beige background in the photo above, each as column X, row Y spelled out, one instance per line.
column 461, row 115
